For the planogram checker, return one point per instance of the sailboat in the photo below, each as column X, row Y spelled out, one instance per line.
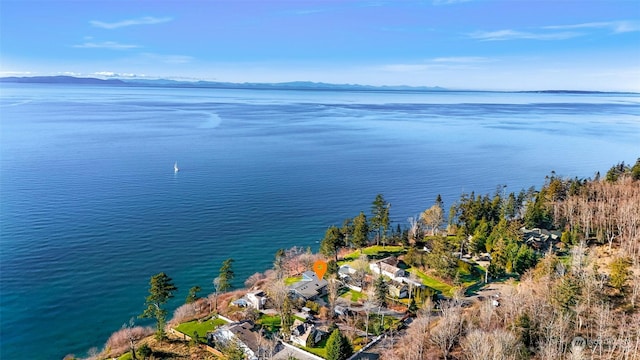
column 175, row 167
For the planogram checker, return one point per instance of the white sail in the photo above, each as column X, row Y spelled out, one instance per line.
column 175, row 167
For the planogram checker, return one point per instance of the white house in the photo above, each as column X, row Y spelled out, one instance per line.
column 242, row 333
column 388, row 267
column 257, row 299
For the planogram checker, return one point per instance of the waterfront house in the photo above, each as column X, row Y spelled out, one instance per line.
column 388, row 267
column 310, row 287
column 242, row 333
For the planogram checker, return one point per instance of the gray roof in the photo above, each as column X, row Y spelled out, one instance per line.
column 309, row 286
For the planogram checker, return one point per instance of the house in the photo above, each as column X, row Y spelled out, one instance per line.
column 538, row 237
column 241, row 332
column 242, row 302
column 346, row 271
column 388, row 267
column 301, row 331
column 310, row 287
column 412, row 281
column 257, row 299
column 400, row 291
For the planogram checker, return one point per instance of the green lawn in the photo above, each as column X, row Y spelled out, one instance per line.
column 377, row 252
column 471, row 275
column 292, row 280
column 352, row 295
column 320, row 348
column 445, row 289
column 125, row 356
column 269, row 320
column 201, row 327
column 322, row 352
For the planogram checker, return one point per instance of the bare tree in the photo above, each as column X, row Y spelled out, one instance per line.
column 433, row 218
column 333, row 286
column 498, row 344
column 415, row 230
column 449, row 328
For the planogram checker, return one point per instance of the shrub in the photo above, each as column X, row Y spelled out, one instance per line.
column 118, row 342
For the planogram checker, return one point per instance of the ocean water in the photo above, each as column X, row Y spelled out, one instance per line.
column 90, row 207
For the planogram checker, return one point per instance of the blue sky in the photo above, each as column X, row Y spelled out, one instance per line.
column 459, row 44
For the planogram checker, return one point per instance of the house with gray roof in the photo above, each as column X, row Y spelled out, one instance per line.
column 310, row 287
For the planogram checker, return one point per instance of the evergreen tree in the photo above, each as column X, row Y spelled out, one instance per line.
column 161, row 289
column 347, row 231
column 525, row 259
column 619, row 272
column 286, row 318
column 193, row 294
column 380, row 217
column 360, row 231
column 226, row 276
column 145, row 351
column 413, row 307
column 635, row 170
column 381, row 291
column 332, row 242
column 338, row 346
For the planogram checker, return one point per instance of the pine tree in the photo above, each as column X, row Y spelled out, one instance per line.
column 332, row 242
column 381, row 291
column 160, row 291
column 360, row 231
column 380, row 217
column 226, row 275
column 338, row 346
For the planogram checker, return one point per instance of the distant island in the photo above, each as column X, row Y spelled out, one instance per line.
column 292, row 85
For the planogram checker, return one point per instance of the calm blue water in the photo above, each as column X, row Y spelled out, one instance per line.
column 91, row 208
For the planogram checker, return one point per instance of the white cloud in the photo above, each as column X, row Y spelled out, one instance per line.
column 15, row 73
column 508, row 34
column 111, row 74
column 615, row 26
column 462, row 60
column 438, row 64
column 169, row 59
column 112, row 45
column 147, row 20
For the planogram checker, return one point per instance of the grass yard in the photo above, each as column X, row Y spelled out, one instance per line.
column 319, row 349
column 377, row 252
column 322, row 352
column 292, row 280
column 353, row 295
column 269, row 320
column 445, row 289
column 201, row 327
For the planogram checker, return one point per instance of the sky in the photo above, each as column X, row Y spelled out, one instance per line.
column 456, row 44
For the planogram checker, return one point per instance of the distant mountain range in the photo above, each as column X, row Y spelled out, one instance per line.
column 295, row 85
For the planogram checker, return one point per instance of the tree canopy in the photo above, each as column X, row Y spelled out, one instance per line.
column 338, row 346
column 360, row 236
column 226, row 275
column 380, row 217
column 161, row 289
column 332, row 242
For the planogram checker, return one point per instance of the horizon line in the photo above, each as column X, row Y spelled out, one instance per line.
column 139, row 81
